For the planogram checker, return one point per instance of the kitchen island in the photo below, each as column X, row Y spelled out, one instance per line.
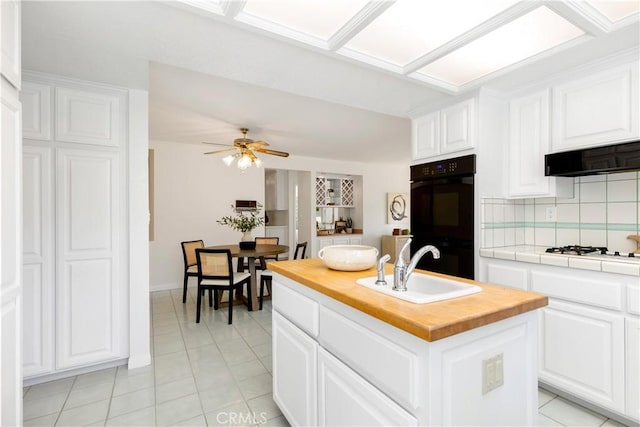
column 346, row 355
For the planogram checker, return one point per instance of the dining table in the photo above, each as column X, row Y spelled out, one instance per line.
column 251, row 256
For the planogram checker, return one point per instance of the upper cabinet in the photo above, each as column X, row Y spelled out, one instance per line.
column 448, row 130
column 596, row 110
column 527, row 144
column 10, row 41
column 335, row 191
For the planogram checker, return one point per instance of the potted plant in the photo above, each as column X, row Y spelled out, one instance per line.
column 244, row 221
column 349, row 225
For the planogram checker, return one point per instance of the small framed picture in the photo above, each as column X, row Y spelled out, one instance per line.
column 341, row 226
column 397, row 208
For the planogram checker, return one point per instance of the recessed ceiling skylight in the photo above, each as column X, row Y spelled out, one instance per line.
column 317, row 18
column 412, row 28
column 616, row 10
column 524, row 37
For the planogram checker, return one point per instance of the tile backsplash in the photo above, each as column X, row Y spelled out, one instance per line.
column 605, row 210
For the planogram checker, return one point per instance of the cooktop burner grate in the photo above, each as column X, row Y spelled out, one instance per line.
column 576, row 250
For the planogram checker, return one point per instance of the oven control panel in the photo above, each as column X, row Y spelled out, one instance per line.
column 465, row 165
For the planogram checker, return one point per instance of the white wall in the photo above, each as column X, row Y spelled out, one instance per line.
column 192, row 191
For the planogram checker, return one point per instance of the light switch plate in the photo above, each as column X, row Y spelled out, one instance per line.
column 492, row 373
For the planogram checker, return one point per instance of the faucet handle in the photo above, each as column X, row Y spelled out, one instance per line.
column 405, row 247
column 381, row 280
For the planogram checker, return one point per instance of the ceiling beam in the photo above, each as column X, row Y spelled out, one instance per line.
column 231, row 8
column 358, row 22
column 486, row 27
column 582, row 15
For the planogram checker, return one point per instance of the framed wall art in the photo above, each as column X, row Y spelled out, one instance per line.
column 397, row 208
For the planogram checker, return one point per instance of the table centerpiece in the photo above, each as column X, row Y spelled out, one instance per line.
column 244, row 221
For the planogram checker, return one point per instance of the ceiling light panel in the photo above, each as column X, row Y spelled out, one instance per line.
column 412, row 28
column 316, row 18
column 529, row 35
column 616, row 10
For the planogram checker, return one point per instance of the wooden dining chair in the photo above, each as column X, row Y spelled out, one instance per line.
column 266, row 278
column 190, row 267
column 215, row 271
column 262, row 241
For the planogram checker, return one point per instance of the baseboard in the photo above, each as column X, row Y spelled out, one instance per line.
column 71, row 372
column 163, row 287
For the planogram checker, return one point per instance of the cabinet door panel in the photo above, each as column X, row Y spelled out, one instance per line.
column 294, row 372
column 36, row 111
column 632, row 329
column 457, row 127
column 599, row 109
column 87, row 117
column 88, row 289
column 346, row 399
column 38, row 330
column 582, row 351
column 426, row 136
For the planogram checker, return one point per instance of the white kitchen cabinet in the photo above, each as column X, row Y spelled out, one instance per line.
column 346, row 399
column 596, row 110
column 294, row 372
column 339, row 239
column 371, row 373
column 38, row 269
column 632, row 346
column 276, row 190
column 448, row 130
column 36, row 111
column 582, row 350
column 74, row 242
column 88, row 293
column 527, row 144
column 508, row 275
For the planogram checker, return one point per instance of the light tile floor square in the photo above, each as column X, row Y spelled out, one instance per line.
column 209, row 373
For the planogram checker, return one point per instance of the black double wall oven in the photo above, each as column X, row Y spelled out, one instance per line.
column 442, row 214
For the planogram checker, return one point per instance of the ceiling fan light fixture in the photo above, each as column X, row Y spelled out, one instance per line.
column 244, row 162
column 258, row 162
column 228, row 160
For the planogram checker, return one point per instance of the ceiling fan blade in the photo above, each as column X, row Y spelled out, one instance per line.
column 256, row 144
column 272, row 152
column 221, row 151
column 215, row 143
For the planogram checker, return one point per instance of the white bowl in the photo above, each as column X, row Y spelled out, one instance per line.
column 349, row 257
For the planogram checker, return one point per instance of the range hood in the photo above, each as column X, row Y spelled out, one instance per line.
column 614, row 158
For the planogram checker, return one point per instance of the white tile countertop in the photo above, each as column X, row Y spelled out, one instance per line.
column 537, row 255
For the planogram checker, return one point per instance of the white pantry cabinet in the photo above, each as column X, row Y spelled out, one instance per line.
column 74, row 241
column 596, row 110
column 527, row 144
column 448, row 130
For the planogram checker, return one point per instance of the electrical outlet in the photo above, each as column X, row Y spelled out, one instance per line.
column 551, row 214
column 492, row 373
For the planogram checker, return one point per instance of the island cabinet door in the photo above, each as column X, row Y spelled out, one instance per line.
column 346, row 399
column 294, row 372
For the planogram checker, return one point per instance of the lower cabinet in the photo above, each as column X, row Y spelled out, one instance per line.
column 294, row 372
column 582, row 350
column 632, row 348
column 346, row 399
column 339, row 239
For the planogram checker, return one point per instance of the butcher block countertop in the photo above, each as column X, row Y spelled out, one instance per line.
column 431, row 321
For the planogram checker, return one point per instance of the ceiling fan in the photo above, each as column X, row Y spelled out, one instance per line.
column 246, row 149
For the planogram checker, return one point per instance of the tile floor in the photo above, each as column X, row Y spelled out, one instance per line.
column 206, row 374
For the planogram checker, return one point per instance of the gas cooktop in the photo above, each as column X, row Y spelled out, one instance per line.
column 594, row 251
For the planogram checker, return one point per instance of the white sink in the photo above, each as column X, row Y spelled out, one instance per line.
column 423, row 288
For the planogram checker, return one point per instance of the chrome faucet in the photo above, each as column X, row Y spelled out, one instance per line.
column 402, row 271
column 381, row 280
